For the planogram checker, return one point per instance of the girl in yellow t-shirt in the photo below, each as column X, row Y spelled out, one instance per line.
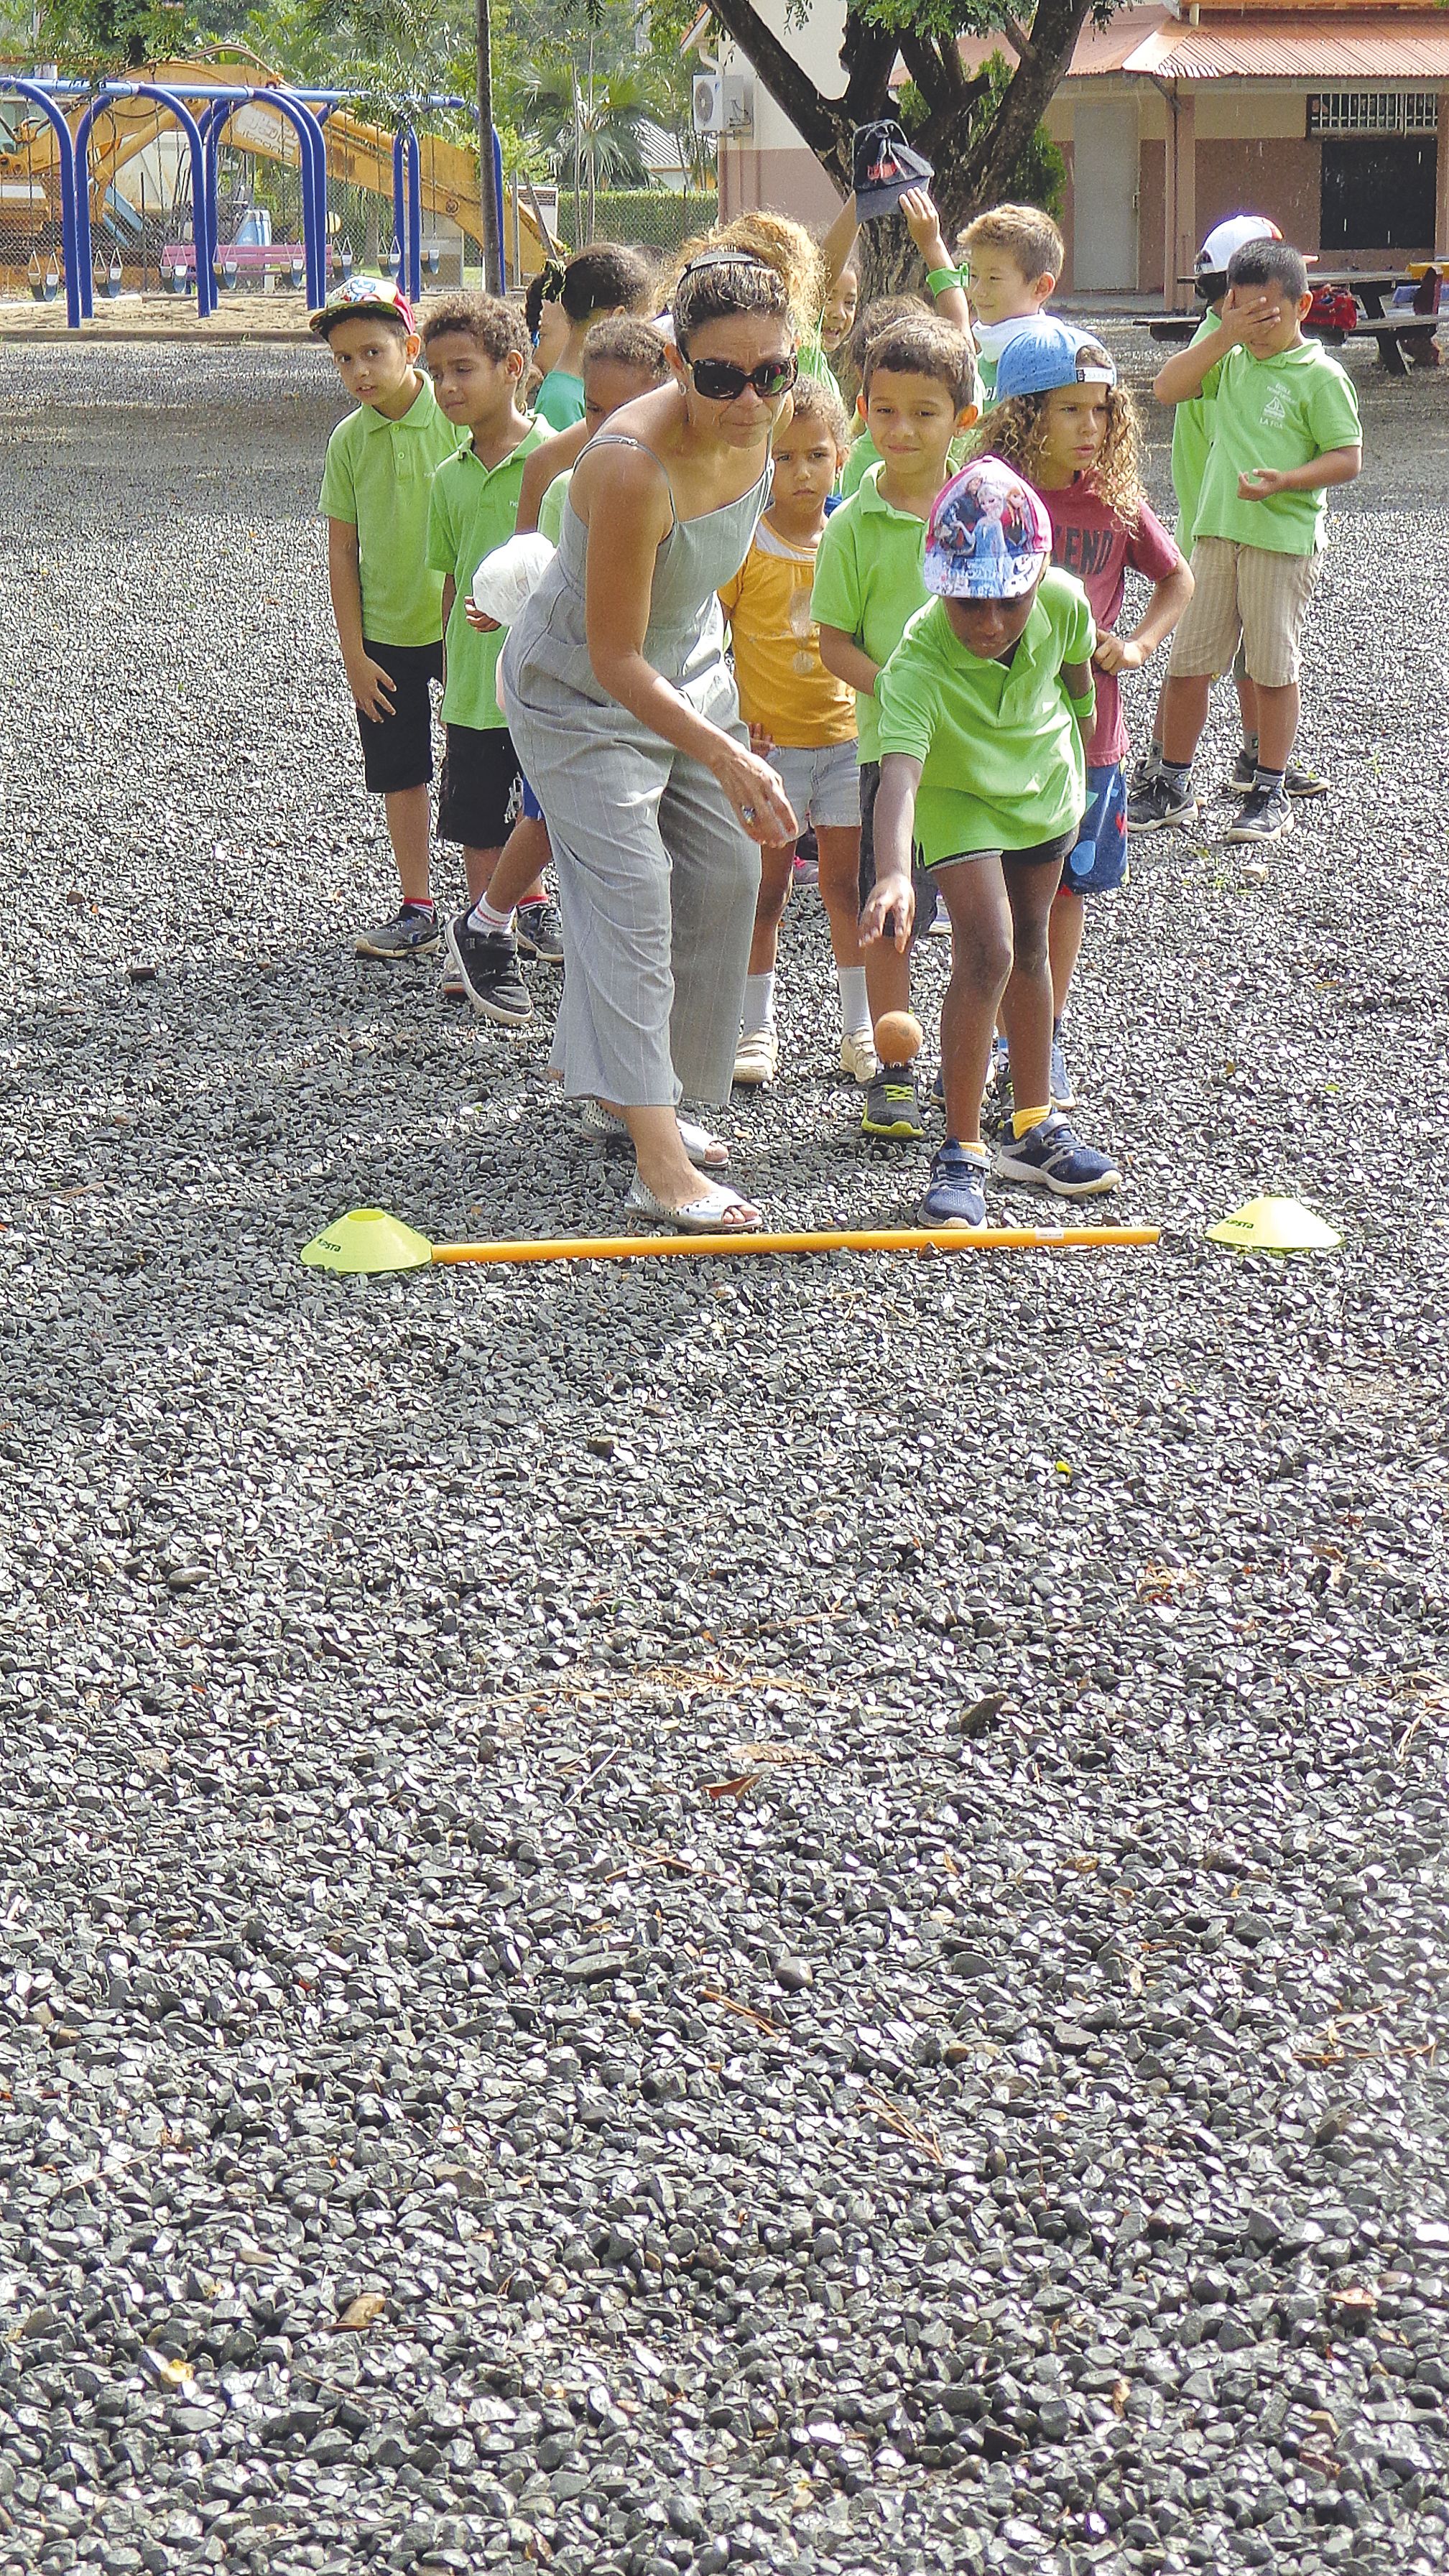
column 802, row 720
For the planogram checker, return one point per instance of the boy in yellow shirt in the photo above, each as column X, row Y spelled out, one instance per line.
column 802, row 720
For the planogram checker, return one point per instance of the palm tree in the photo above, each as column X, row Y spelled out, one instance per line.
column 591, row 130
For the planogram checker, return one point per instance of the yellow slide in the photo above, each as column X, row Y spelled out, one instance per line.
column 357, row 153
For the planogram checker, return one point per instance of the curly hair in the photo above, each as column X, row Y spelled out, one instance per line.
column 779, row 244
column 1016, row 431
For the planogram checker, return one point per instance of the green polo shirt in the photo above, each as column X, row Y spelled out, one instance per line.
column 474, row 509
column 560, row 399
column 1192, row 436
column 551, row 508
column 1278, row 412
column 377, row 478
column 868, row 583
column 1004, row 766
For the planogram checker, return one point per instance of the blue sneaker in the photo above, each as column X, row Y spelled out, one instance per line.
column 1063, row 1096
column 1050, row 1157
column 957, row 1192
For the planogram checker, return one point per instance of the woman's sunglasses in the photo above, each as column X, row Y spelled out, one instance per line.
column 720, row 381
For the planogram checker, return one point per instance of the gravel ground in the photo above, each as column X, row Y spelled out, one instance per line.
column 675, row 1919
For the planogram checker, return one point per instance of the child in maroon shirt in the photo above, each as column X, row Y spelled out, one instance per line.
column 1070, row 430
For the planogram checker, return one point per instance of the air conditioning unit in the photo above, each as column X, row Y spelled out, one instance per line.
column 724, row 102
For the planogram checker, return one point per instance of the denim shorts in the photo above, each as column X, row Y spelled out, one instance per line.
column 822, row 783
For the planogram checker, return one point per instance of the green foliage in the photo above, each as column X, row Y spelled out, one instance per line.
column 650, row 218
column 1038, row 176
column 85, row 36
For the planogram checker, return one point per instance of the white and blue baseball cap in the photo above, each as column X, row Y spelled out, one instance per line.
column 1050, row 354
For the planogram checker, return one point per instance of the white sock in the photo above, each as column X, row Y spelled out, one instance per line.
column 854, row 1008
column 483, row 917
column 759, row 1004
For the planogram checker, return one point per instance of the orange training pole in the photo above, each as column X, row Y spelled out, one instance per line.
column 638, row 1247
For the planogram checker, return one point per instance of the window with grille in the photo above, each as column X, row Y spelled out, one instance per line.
column 1373, row 111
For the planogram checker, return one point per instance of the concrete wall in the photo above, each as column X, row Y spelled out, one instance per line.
column 772, row 166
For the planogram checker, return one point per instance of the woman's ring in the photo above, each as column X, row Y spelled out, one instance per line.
column 748, row 814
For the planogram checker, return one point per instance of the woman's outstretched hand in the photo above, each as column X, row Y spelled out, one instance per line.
column 756, row 796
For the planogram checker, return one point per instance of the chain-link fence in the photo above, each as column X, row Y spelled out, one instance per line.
column 654, row 219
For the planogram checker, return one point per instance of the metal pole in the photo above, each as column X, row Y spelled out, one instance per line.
column 491, row 226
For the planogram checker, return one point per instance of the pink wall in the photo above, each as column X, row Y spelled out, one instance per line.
column 1277, row 175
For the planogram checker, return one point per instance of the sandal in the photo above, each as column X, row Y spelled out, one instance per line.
column 712, row 1214
column 707, row 1153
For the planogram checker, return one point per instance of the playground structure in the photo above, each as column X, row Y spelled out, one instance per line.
column 206, row 139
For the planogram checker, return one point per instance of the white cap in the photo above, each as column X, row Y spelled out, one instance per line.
column 1232, row 235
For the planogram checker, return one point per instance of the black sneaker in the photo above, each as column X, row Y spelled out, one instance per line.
column 488, row 965
column 1303, row 782
column 1245, row 771
column 1160, row 803
column 540, row 932
column 893, row 1106
column 1264, row 816
column 1144, row 771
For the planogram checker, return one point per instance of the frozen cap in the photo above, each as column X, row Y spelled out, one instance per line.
column 885, row 168
column 356, row 297
column 1048, row 354
column 1234, row 233
column 988, row 535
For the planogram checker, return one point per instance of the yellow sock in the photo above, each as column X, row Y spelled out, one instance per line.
column 1022, row 1119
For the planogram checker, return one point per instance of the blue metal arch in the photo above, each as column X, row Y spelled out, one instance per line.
column 77, row 296
column 176, row 107
column 407, row 210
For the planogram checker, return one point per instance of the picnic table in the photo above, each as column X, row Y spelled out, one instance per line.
column 1403, row 330
column 243, row 259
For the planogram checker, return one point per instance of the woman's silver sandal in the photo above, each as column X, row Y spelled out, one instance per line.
column 707, row 1153
column 707, row 1215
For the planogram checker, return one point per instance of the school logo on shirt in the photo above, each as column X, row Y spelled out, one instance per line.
column 1274, row 411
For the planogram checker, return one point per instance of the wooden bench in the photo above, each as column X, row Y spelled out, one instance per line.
column 1168, row 326
column 1403, row 338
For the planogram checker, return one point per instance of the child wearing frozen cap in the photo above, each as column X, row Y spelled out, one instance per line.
column 985, row 707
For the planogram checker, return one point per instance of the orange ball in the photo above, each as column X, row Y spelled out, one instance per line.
column 898, row 1037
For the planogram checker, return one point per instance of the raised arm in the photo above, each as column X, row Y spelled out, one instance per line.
column 625, row 502
column 1182, row 377
column 923, row 223
column 838, row 244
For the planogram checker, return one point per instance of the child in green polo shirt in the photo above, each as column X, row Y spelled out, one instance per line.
column 985, row 707
column 1284, row 428
column 386, row 602
column 1192, row 438
column 920, row 390
column 477, row 349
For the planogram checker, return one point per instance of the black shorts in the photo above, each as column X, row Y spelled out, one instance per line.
column 1042, row 854
column 480, row 795
column 925, row 891
column 398, row 751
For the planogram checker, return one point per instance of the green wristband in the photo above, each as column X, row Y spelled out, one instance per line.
column 938, row 279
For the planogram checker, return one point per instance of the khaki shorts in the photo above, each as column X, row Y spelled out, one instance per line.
column 1249, row 593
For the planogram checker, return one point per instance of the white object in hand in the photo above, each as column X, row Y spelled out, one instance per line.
column 506, row 580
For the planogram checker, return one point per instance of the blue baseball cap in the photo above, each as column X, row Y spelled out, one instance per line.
column 988, row 535
column 1049, row 354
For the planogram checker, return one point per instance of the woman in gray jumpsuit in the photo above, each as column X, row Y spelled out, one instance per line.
column 625, row 718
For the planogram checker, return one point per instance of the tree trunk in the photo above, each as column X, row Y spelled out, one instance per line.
column 973, row 143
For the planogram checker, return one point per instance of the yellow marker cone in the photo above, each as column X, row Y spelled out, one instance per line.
column 1274, row 1225
column 368, row 1240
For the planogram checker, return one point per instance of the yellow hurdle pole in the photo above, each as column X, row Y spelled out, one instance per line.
column 956, row 1238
